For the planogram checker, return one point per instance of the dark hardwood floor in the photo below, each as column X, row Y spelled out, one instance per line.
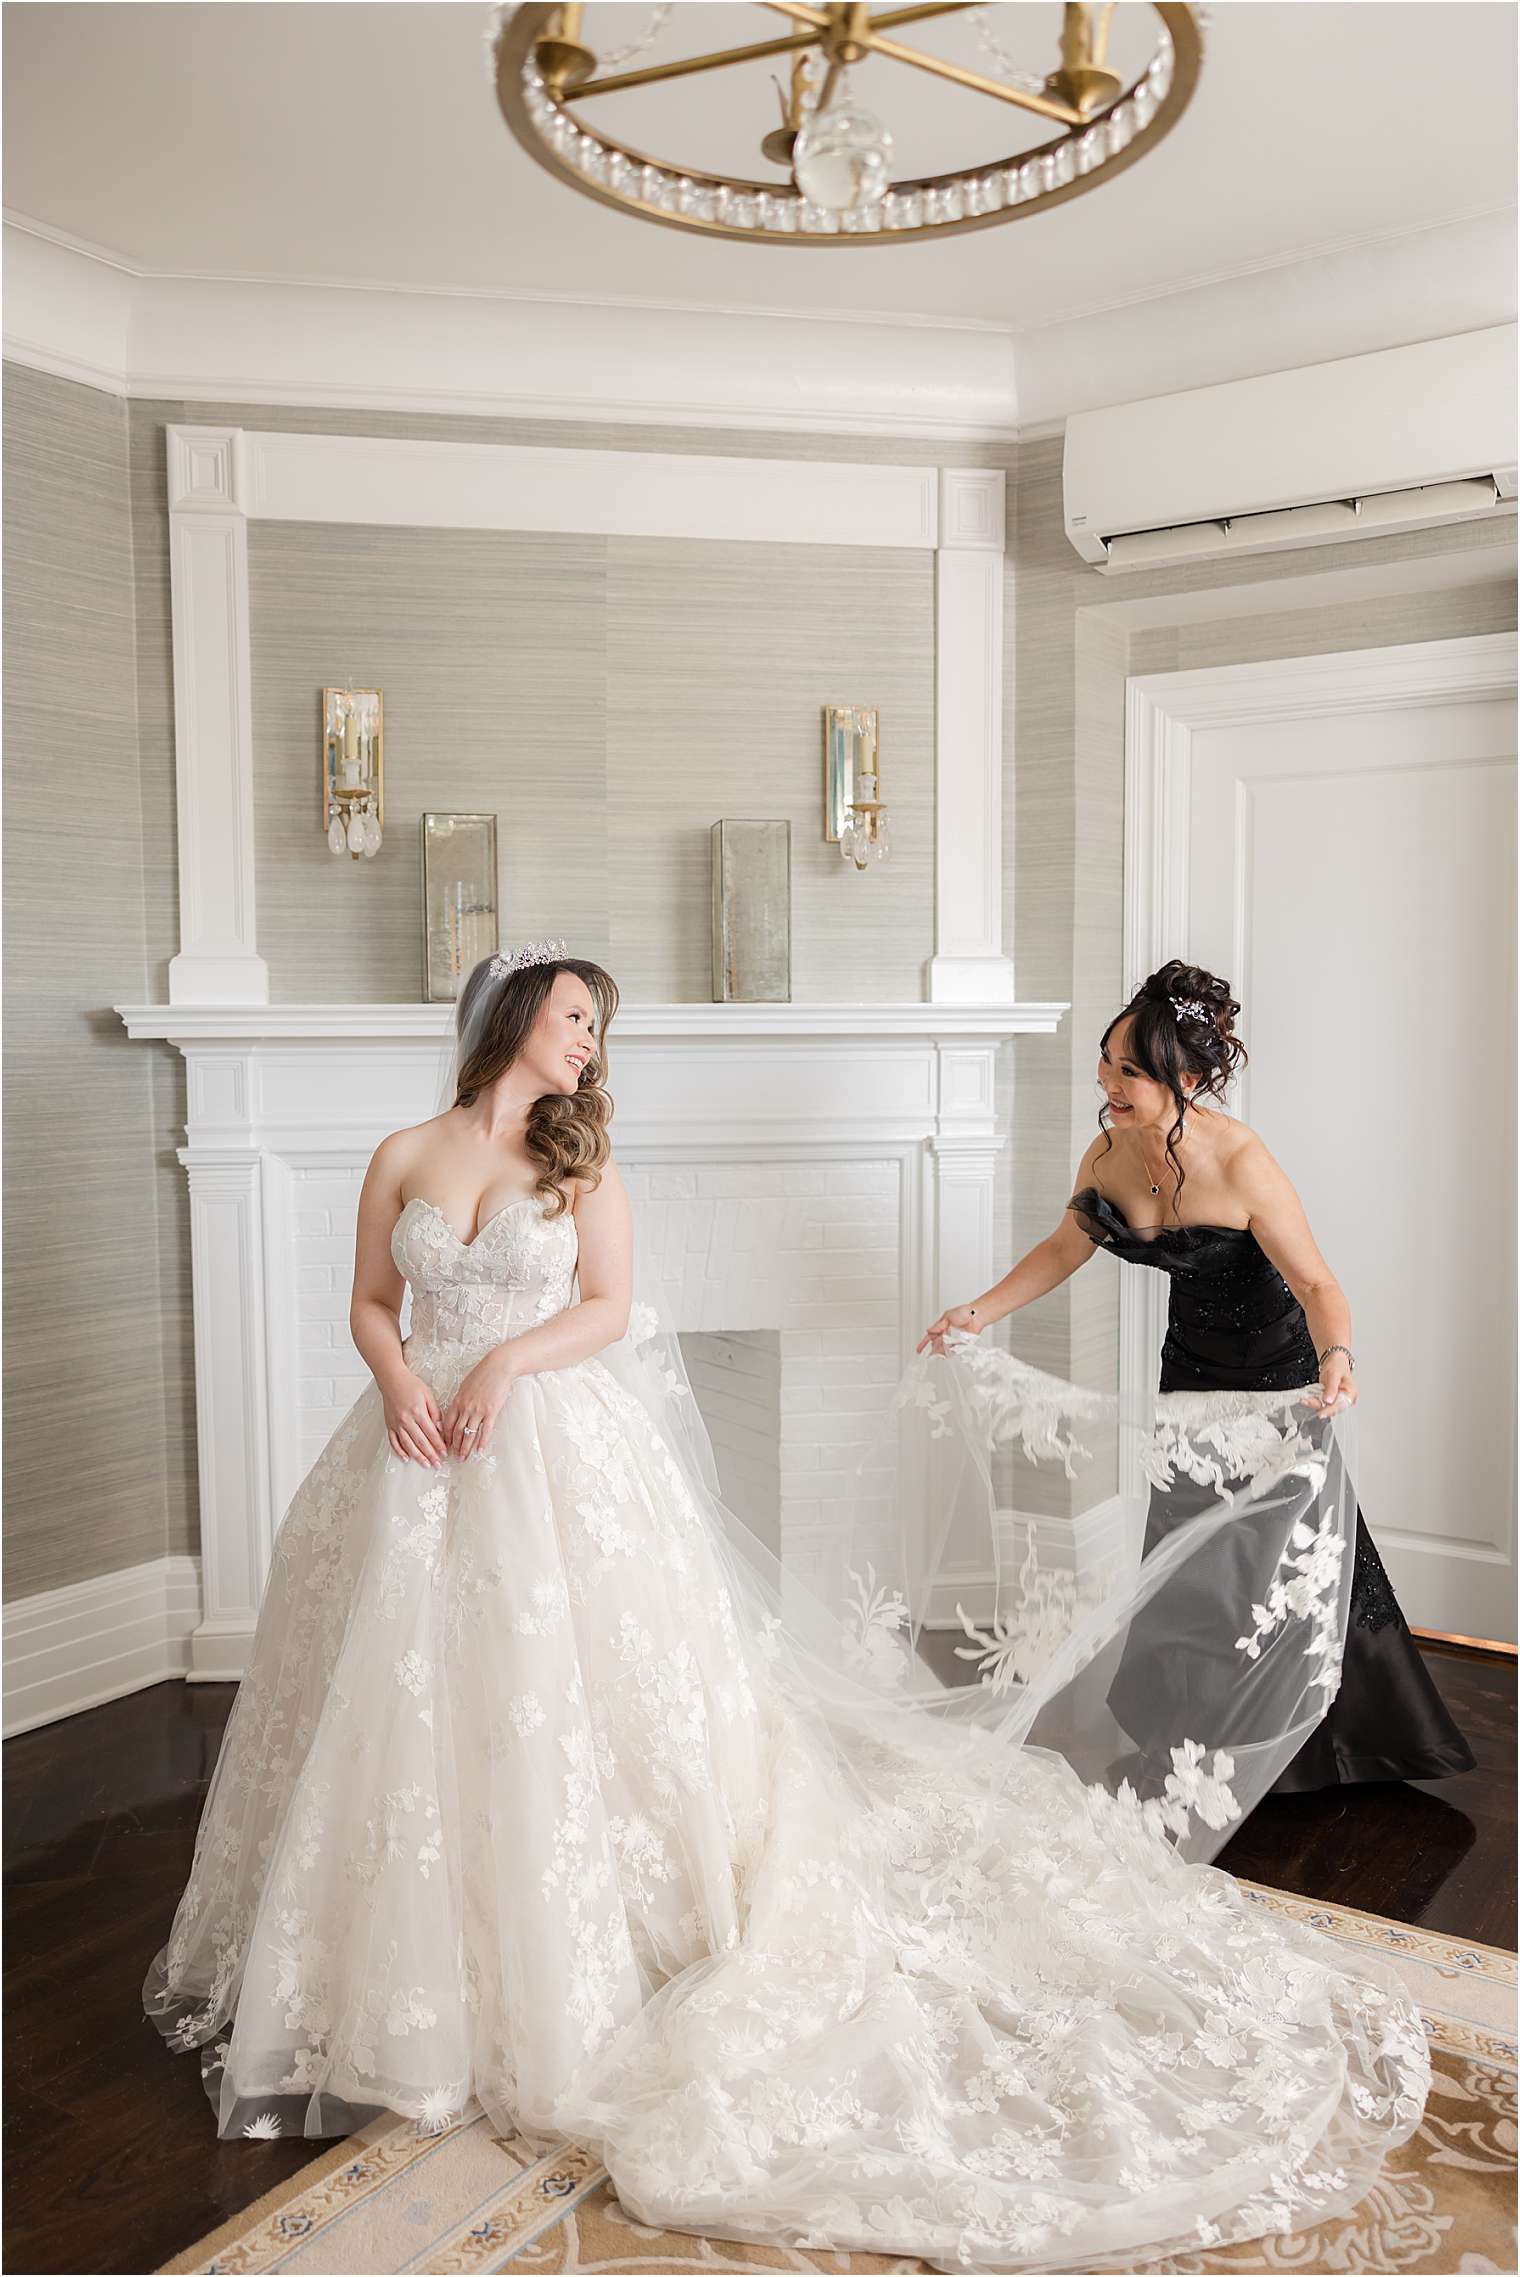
column 111, row 2160
column 1439, row 1854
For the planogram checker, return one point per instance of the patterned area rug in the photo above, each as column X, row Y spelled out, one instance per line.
column 389, row 2200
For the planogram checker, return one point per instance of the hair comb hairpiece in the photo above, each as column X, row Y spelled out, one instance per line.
column 1191, row 1008
column 532, row 953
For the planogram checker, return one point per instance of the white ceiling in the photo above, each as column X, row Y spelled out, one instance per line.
column 361, row 143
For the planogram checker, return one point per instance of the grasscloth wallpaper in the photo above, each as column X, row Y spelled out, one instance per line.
column 608, row 699
column 85, row 1316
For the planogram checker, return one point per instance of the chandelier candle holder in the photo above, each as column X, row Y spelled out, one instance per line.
column 837, row 154
column 353, row 770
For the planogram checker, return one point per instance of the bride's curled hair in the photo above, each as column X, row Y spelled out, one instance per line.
column 566, row 1136
column 1182, row 1024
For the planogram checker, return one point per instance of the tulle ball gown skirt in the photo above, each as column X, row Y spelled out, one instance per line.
column 530, row 1796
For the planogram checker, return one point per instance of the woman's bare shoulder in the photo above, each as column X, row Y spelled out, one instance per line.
column 1242, row 1155
column 607, row 1181
column 1098, row 1147
column 399, row 1151
column 1227, row 1135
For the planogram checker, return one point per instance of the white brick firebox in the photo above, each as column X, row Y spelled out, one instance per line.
column 820, row 1173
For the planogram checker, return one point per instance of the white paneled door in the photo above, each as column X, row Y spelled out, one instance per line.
column 1336, row 834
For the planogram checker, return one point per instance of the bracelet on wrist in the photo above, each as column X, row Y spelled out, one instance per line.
column 1329, row 1348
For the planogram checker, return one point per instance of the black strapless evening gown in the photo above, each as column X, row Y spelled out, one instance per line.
column 1233, row 1324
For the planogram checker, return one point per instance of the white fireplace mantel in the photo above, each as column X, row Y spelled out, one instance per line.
column 184, row 1024
column 823, row 1170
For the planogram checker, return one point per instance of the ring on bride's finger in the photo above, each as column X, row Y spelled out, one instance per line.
column 468, row 1428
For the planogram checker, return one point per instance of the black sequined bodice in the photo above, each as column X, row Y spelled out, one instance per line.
column 1233, row 1324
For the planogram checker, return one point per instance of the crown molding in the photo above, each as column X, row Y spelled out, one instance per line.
column 1342, row 300
column 86, row 313
column 67, row 311
column 13, row 218
column 1265, row 264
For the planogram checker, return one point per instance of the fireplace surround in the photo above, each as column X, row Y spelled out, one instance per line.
column 823, row 1174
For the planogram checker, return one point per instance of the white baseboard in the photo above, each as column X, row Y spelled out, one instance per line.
column 74, row 1648
column 219, row 1652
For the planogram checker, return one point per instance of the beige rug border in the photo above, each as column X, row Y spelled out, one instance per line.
column 328, row 2162
column 1411, row 1929
column 257, row 2209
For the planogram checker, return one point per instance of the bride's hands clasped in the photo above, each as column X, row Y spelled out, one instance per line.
column 963, row 1317
column 412, row 1422
column 470, row 1417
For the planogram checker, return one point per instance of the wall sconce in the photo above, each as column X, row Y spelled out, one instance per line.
column 353, row 769
column 854, row 816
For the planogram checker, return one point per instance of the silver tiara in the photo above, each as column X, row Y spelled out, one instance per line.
column 1190, row 1008
column 532, row 953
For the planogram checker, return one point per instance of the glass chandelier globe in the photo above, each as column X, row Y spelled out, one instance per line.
column 843, row 157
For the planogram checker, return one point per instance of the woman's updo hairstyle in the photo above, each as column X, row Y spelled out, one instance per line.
column 1182, row 1025
column 565, row 1135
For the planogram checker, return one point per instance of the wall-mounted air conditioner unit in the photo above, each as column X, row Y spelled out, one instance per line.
column 1362, row 447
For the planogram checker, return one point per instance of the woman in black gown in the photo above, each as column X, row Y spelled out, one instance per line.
column 1252, row 1307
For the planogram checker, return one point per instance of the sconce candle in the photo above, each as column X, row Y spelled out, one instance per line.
column 854, row 816
column 353, row 756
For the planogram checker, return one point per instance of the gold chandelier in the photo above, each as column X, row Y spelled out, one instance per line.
column 838, row 156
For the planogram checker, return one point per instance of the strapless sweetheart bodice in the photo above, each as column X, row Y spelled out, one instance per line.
column 519, row 1270
column 1233, row 1323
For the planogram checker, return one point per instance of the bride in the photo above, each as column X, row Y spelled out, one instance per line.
column 545, row 1788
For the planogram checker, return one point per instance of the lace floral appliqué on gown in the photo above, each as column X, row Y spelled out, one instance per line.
column 536, row 1792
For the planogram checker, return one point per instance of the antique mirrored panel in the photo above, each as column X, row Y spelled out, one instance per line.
column 752, row 912
column 460, row 923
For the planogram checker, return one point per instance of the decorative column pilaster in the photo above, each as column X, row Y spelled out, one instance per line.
column 218, row 960
column 969, row 966
column 231, row 1402
column 966, row 1146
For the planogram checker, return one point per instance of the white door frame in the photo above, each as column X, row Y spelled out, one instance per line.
column 1163, row 711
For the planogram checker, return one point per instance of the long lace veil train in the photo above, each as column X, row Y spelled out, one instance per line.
column 1178, row 1686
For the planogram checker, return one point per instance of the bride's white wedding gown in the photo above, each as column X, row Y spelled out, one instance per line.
column 529, row 1796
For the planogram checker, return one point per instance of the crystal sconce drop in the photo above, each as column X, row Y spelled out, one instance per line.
column 854, row 816
column 353, row 769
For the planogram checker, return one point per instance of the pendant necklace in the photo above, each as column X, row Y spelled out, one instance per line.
column 1145, row 1166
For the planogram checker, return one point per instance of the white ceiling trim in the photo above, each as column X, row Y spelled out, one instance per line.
column 1352, row 300
column 1261, row 265
column 86, row 314
column 14, row 219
